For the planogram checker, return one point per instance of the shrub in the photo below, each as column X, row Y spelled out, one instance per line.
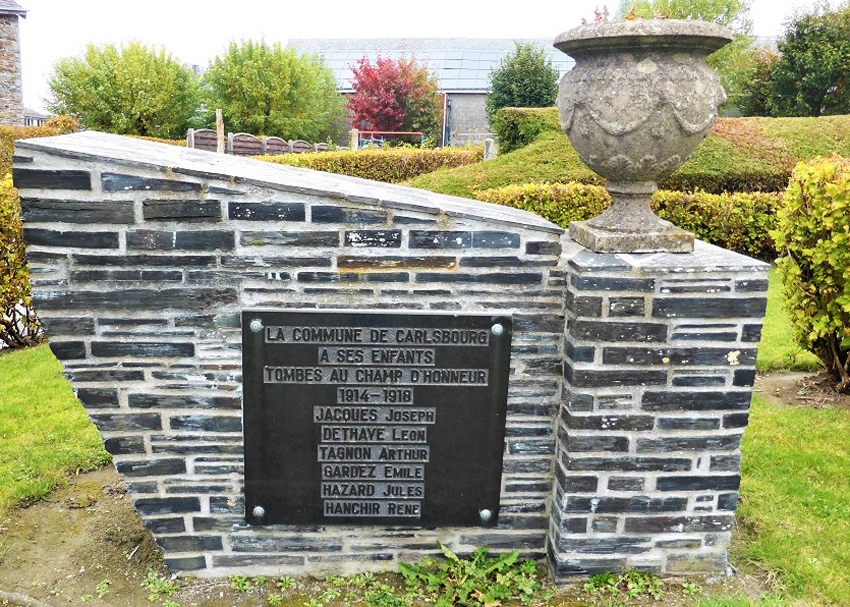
column 813, row 239
column 517, row 127
column 740, row 221
column 392, row 166
column 18, row 324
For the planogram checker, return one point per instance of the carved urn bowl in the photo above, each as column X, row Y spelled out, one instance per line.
column 640, row 98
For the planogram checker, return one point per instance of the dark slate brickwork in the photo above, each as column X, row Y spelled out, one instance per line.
column 188, row 211
column 267, row 211
column 117, row 182
column 630, row 375
column 51, row 179
column 71, row 238
column 666, row 445
column 71, row 211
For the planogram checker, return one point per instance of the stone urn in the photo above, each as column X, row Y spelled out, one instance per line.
column 638, row 101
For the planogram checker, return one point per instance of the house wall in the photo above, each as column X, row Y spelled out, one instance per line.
column 11, row 92
column 468, row 119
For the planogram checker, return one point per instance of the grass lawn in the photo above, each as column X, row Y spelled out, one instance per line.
column 44, row 431
column 795, row 503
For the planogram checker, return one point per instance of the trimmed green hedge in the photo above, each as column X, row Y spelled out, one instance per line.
column 517, row 127
column 57, row 125
column 740, row 155
column 391, row 166
column 740, row 222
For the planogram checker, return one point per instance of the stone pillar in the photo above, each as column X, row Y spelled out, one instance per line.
column 11, row 91
column 660, row 354
column 489, row 148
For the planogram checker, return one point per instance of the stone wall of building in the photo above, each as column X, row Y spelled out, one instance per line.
column 11, row 91
column 629, row 375
column 468, row 119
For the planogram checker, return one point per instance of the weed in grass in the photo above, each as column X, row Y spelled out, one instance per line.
column 689, row 588
column 481, row 579
column 240, row 583
column 285, row 582
column 158, row 585
column 632, row 584
column 330, row 594
column 170, row 604
column 102, row 588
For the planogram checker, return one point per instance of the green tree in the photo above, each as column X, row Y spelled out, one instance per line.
column 132, row 90
column 525, row 78
column 756, row 97
column 811, row 76
column 734, row 61
column 270, row 90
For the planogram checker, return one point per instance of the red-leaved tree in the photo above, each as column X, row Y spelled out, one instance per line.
column 395, row 95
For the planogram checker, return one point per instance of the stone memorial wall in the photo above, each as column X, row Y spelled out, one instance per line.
column 301, row 372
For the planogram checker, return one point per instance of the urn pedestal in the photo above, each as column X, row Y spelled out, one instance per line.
column 639, row 100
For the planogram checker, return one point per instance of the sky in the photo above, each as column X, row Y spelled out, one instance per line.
column 195, row 31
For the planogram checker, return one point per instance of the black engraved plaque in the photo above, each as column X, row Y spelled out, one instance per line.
column 374, row 417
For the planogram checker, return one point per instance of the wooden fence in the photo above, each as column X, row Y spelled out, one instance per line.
column 245, row 144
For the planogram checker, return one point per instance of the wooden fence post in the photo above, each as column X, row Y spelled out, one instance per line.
column 190, row 138
column 219, row 131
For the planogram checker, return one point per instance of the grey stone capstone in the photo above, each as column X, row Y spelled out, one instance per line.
column 639, row 100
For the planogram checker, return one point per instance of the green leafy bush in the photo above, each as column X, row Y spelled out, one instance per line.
column 19, row 326
column 392, row 165
column 813, row 239
column 517, row 127
column 739, row 221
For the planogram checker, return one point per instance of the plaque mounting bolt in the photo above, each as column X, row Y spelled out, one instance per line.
column 259, row 512
column 497, row 329
column 485, row 514
column 256, row 325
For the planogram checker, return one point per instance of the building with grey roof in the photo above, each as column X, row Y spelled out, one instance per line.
column 462, row 67
column 11, row 91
